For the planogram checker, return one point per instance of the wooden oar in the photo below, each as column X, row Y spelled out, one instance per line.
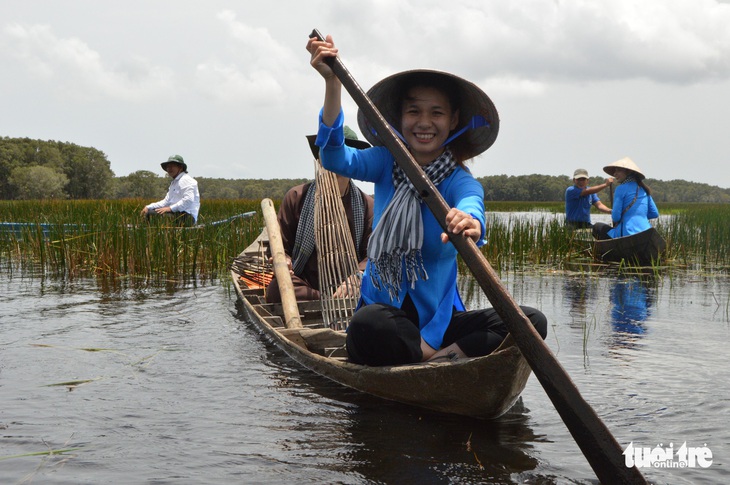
column 281, row 269
column 590, row 433
column 610, row 194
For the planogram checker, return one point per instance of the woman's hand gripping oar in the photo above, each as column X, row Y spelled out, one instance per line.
column 590, row 433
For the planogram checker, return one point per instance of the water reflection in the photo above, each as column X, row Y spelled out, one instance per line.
column 632, row 299
column 217, row 404
column 582, row 294
column 388, row 442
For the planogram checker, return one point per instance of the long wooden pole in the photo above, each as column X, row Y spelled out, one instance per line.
column 281, row 269
column 590, row 433
column 610, row 194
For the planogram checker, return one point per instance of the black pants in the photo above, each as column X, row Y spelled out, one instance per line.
column 182, row 219
column 381, row 334
column 578, row 224
column 600, row 230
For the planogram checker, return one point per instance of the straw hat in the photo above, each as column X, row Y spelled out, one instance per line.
column 626, row 163
column 388, row 93
column 175, row 159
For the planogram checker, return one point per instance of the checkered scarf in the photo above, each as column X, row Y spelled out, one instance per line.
column 304, row 242
column 398, row 237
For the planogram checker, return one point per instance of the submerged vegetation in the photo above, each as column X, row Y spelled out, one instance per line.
column 108, row 239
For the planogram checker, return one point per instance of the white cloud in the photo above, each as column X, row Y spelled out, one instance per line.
column 77, row 70
column 256, row 45
column 575, row 81
column 227, row 83
column 672, row 41
column 259, row 74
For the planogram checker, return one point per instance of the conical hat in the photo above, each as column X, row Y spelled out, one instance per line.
column 626, row 163
column 386, row 95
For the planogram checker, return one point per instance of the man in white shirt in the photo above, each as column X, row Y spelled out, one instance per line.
column 182, row 201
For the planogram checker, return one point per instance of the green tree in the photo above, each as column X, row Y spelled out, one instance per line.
column 88, row 171
column 10, row 158
column 38, row 182
column 143, row 184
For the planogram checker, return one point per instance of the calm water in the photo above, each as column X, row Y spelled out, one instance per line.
column 181, row 391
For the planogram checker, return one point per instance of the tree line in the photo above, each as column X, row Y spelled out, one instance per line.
column 37, row 169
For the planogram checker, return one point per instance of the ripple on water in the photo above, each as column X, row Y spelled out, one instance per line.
column 181, row 391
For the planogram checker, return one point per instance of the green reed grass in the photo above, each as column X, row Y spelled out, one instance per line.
column 530, row 236
column 698, row 235
column 110, row 239
column 518, row 240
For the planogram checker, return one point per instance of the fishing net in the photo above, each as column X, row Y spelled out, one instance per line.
column 339, row 277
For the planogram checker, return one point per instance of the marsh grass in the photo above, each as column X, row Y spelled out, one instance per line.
column 523, row 239
column 110, row 240
column 524, row 236
column 698, row 236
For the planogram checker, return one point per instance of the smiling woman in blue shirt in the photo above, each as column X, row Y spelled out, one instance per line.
column 410, row 310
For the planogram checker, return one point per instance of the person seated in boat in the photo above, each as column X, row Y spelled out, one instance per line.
column 633, row 205
column 579, row 198
column 182, row 202
column 410, row 309
column 296, row 219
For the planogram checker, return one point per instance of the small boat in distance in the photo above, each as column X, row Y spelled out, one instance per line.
column 641, row 249
column 482, row 387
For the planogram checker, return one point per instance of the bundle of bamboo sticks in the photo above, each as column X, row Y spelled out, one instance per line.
column 254, row 271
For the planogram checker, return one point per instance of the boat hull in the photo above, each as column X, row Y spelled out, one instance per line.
column 484, row 387
column 642, row 249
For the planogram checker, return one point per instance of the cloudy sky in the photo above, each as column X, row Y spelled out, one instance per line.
column 227, row 84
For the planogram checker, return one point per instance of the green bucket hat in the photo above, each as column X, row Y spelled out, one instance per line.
column 175, row 159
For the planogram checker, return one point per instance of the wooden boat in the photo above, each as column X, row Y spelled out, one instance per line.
column 642, row 249
column 482, row 387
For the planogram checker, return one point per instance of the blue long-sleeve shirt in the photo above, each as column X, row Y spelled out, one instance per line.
column 636, row 219
column 436, row 297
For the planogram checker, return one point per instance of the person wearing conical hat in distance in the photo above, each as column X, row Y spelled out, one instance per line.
column 296, row 219
column 579, row 198
column 633, row 204
column 410, row 309
column 182, row 202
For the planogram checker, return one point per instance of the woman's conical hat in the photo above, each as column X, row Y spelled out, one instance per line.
column 386, row 95
column 626, row 163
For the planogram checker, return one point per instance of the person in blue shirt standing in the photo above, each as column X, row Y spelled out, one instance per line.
column 633, row 205
column 410, row 310
column 579, row 198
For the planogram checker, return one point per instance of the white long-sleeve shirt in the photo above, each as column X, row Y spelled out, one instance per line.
column 182, row 196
